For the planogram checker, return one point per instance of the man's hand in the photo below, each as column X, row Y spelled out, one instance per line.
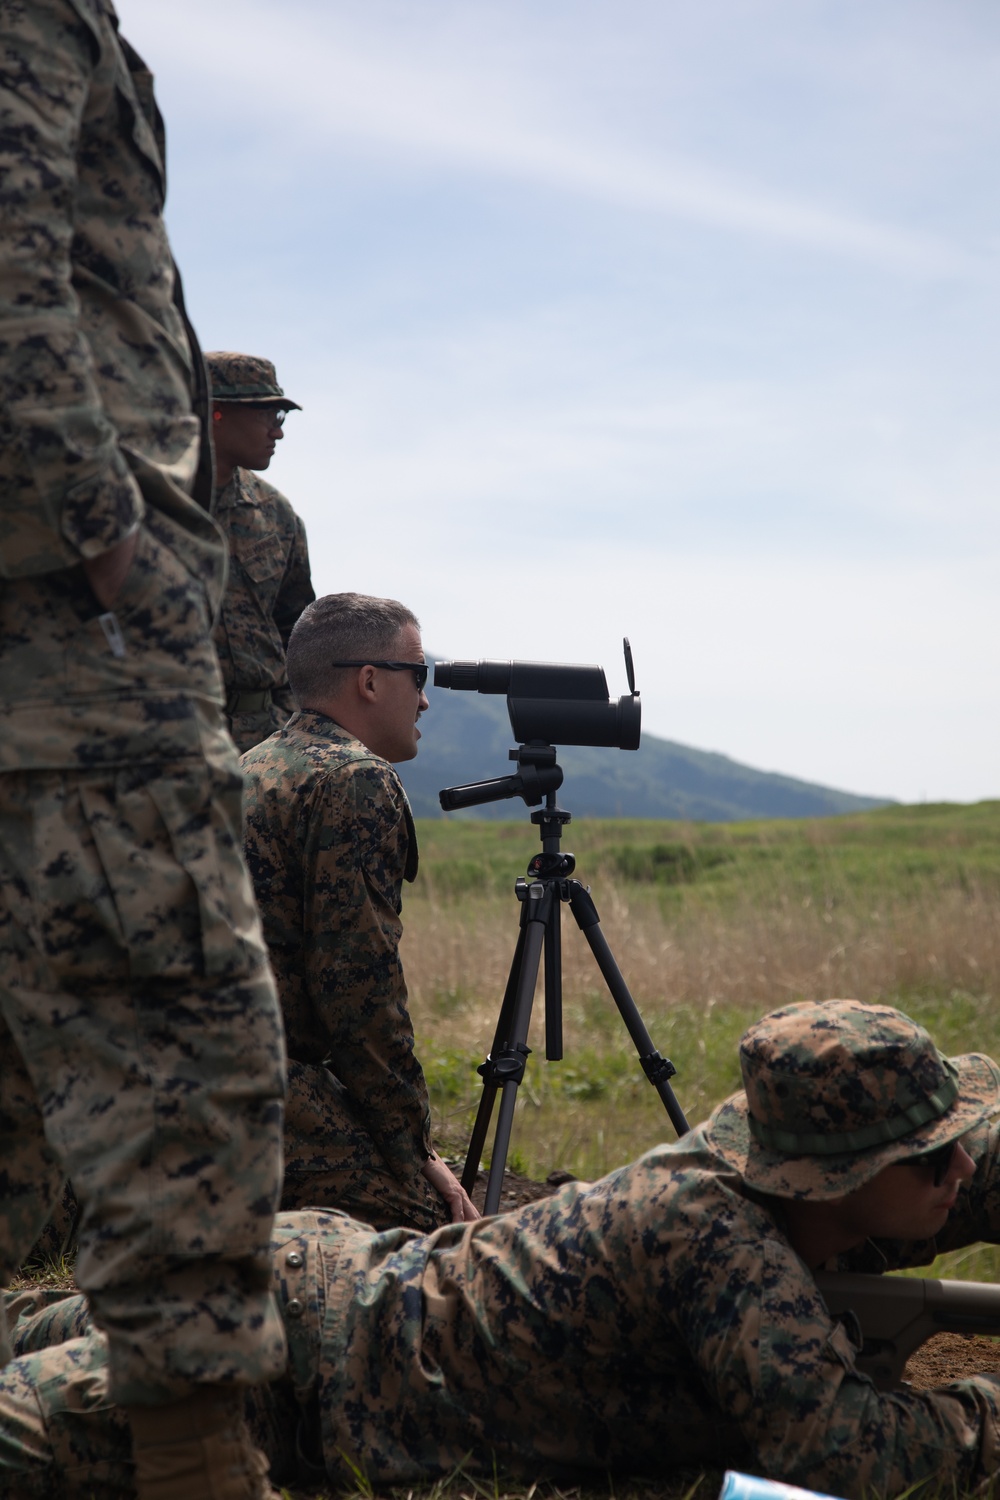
column 463, row 1210
column 106, row 573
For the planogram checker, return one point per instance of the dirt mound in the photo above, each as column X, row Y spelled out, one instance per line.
column 952, row 1356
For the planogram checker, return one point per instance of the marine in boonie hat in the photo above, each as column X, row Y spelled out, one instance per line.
column 245, row 379
column 835, row 1090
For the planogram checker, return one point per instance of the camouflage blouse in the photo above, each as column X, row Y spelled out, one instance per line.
column 329, row 840
column 268, row 586
column 99, row 427
column 653, row 1320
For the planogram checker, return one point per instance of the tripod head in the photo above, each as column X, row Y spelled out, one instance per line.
column 538, row 777
column 550, row 821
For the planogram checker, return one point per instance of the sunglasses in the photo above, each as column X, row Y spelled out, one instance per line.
column 274, row 415
column 937, row 1162
column 419, row 669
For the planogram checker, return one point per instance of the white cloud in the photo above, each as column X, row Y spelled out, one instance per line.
column 322, row 82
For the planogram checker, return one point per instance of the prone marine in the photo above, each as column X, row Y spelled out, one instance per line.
column 667, row 1312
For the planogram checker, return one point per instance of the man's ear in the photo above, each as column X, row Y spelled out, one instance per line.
column 367, row 683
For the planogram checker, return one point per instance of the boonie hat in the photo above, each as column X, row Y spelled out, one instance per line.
column 835, row 1090
column 245, row 378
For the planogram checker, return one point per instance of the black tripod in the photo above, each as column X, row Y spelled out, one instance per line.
column 541, row 898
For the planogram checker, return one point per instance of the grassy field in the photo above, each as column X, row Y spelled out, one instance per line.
column 712, row 925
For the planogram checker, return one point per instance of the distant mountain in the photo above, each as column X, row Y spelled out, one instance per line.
column 466, row 737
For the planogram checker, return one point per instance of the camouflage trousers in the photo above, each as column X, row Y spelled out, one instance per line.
column 142, row 1055
column 331, row 1160
column 60, row 1433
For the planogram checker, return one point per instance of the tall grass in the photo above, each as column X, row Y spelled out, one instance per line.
column 712, row 926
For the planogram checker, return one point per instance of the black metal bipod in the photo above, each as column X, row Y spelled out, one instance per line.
column 541, row 898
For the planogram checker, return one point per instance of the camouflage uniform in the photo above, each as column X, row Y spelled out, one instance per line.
column 268, row 588
column 140, row 1041
column 269, row 584
column 329, row 840
column 655, row 1320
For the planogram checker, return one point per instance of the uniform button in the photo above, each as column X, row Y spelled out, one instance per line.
column 293, row 1259
column 294, row 1308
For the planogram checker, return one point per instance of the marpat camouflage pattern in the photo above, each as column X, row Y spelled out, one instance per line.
column 653, row 1321
column 269, row 586
column 137, row 1011
column 245, row 380
column 835, row 1090
column 329, row 840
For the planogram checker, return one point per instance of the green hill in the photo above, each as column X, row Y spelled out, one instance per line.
column 467, row 736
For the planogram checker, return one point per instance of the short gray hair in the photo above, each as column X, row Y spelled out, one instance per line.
column 340, row 627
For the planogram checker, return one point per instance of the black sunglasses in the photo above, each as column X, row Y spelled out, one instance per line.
column 937, row 1161
column 419, row 669
column 276, row 414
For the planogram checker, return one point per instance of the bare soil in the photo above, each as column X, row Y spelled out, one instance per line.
column 516, row 1190
column 952, row 1356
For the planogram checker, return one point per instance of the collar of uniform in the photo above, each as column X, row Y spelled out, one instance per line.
column 311, row 721
column 237, row 492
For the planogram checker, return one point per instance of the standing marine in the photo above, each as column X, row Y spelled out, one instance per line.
column 269, row 584
column 141, row 1047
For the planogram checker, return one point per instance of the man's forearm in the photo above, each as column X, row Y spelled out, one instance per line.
column 897, row 1314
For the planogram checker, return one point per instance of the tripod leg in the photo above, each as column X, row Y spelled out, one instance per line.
column 507, row 1066
column 516, row 1048
column 659, row 1070
column 553, row 987
column 504, row 1023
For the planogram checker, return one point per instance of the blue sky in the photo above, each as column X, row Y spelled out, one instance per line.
column 652, row 319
